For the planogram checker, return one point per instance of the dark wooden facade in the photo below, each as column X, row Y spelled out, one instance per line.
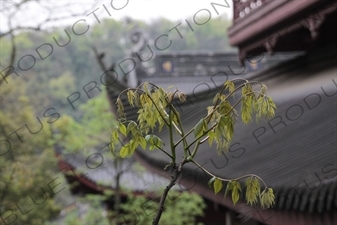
column 282, row 25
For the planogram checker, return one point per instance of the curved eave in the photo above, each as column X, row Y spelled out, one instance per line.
column 271, row 216
column 278, row 159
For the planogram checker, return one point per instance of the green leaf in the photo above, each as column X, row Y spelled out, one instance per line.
column 161, row 123
column 210, row 182
column 142, row 142
column 122, row 129
column 128, row 149
column 235, row 195
column 114, row 135
column 236, row 191
column 144, row 99
column 228, row 187
column 252, row 190
column 158, row 141
column 211, row 136
column 148, row 137
column 131, row 97
column 222, row 124
column 216, row 97
column 263, row 89
column 271, row 108
column 224, row 107
column 146, row 89
column 247, row 89
column 235, row 187
column 267, row 198
column 113, row 140
column 217, row 185
column 124, row 151
column 112, row 148
column 162, row 92
column 198, row 129
column 230, row 85
column 120, row 108
column 247, row 105
column 155, row 140
column 133, row 146
column 131, row 126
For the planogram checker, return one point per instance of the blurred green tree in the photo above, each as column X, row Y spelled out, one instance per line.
column 28, row 174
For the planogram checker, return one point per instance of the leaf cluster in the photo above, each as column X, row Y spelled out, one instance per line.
column 153, row 112
column 259, row 103
column 254, row 195
column 222, row 115
column 136, row 138
column 156, row 110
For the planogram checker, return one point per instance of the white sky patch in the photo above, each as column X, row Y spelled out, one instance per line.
column 173, row 9
column 32, row 14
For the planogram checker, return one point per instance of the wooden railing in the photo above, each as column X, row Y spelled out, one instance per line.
column 244, row 7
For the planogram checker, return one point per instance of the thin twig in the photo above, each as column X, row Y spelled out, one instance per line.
column 227, row 180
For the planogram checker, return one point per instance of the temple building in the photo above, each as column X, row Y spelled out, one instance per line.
column 291, row 47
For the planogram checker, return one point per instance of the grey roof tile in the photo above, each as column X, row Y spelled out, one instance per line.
column 104, row 173
column 293, row 151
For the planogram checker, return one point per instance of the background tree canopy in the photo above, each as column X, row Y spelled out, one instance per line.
column 37, row 101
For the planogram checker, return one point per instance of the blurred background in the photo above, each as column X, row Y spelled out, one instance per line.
column 57, row 111
column 38, row 40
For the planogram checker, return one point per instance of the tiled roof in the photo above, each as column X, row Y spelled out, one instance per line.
column 296, row 152
column 101, row 170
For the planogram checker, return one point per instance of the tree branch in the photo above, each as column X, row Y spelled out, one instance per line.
column 174, row 178
column 227, row 180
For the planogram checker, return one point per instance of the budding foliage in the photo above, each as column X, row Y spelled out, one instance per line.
column 254, row 195
column 156, row 110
